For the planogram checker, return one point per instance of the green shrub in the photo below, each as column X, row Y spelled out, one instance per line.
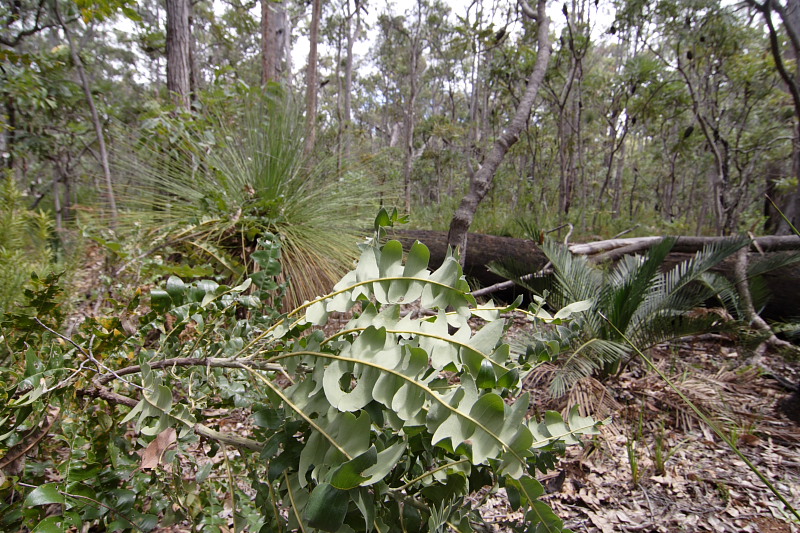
column 634, row 299
column 385, row 423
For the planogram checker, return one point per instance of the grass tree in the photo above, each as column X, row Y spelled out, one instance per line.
column 240, row 175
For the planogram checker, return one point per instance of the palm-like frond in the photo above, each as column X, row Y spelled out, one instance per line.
column 24, row 243
column 587, row 357
column 576, row 278
column 631, row 285
column 635, row 299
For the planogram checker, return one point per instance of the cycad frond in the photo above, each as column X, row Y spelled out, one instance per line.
column 587, row 358
column 631, row 287
column 687, row 272
column 637, row 300
column 765, row 264
column 576, row 278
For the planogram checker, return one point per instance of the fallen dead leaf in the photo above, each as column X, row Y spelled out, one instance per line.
column 151, row 457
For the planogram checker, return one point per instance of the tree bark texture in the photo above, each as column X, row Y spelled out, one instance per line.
column 274, row 39
column 410, row 118
column 179, row 64
column 311, row 79
column 481, row 181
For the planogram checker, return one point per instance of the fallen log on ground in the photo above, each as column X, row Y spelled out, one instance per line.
column 483, row 249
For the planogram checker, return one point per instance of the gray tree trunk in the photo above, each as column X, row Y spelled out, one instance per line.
column 98, row 126
column 274, row 40
column 179, row 64
column 311, row 79
column 481, row 181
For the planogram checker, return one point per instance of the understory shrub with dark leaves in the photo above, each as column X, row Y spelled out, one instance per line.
column 386, row 422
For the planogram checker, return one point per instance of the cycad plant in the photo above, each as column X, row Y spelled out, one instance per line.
column 238, row 173
column 634, row 299
column 24, row 244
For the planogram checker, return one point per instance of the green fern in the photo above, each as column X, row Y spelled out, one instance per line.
column 24, row 244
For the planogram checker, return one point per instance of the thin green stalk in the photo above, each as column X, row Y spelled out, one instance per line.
column 795, row 230
column 708, row 421
column 428, row 473
column 294, row 505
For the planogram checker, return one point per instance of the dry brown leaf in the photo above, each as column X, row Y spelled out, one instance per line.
column 151, row 457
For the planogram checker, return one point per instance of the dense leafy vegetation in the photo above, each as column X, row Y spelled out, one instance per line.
column 383, row 424
column 225, row 210
column 25, row 243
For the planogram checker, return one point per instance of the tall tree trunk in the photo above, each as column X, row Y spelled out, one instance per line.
column 194, row 77
column 790, row 16
column 274, row 40
column 98, row 126
column 410, row 111
column 179, row 67
column 481, row 181
column 311, row 79
column 267, row 54
column 352, row 36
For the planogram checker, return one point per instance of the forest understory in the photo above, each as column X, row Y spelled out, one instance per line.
column 654, row 467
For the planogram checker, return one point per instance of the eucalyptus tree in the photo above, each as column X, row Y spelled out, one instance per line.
column 275, row 42
column 789, row 15
column 564, row 89
column 481, row 181
column 311, row 78
column 179, row 67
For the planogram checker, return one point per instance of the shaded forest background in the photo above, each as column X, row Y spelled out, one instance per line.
column 658, row 116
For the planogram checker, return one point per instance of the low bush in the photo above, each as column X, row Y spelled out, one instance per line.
column 216, row 411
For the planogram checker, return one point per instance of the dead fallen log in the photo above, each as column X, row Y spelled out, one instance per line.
column 483, row 249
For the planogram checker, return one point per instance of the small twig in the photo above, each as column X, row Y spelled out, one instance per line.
column 505, row 285
column 569, row 233
column 621, row 233
column 86, row 354
column 188, row 361
column 649, row 504
column 35, row 436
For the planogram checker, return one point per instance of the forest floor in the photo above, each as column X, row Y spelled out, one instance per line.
column 686, row 478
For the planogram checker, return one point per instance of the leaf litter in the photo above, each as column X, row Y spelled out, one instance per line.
column 688, row 479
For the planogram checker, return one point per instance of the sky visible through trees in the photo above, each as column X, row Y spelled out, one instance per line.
column 658, row 116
